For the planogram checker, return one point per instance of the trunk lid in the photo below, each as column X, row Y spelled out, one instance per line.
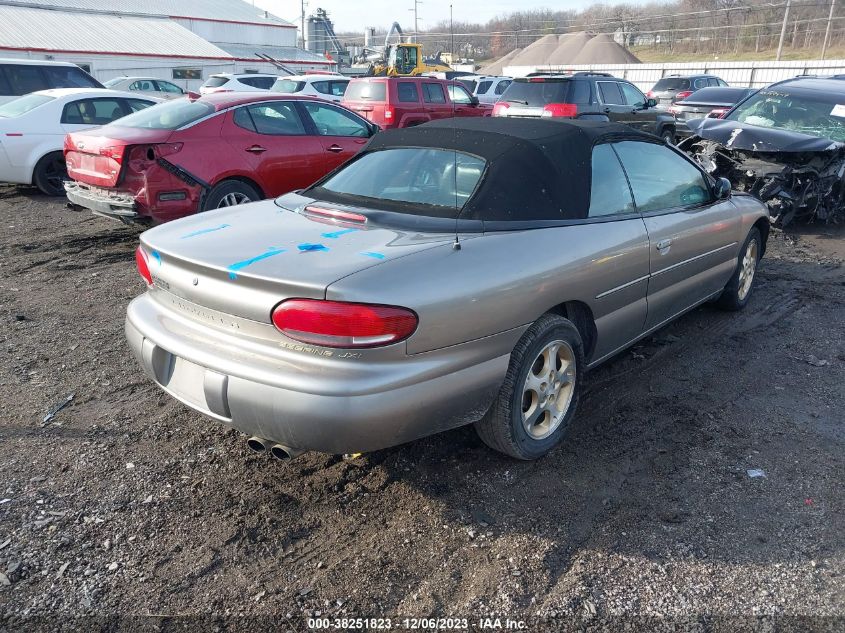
column 95, row 157
column 243, row 261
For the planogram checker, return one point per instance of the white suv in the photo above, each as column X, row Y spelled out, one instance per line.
column 328, row 87
column 241, row 82
column 489, row 89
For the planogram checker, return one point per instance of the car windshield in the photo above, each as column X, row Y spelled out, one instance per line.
column 537, row 92
column 287, row 86
column 168, row 116
column 433, row 182
column 215, row 82
column 671, row 83
column 366, row 91
column 821, row 115
column 112, row 82
column 22, row 105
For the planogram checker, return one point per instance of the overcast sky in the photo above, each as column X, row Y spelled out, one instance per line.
column 354, row 15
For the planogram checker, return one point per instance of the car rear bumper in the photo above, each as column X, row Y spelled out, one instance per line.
column 114, row 205
column 306, row 400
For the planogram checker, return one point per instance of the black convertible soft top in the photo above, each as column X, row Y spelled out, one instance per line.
column 536, row 169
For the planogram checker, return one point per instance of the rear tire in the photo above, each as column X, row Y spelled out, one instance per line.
column 230, row 193
column 539, row 396
column 50, row 173
column 738, row 291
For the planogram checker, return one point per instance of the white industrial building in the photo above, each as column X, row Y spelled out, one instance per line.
column 184, row 41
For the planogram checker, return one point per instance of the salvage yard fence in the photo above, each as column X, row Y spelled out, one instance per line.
column 749, row 74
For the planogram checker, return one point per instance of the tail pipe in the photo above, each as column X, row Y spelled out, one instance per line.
column 285, row 453
column 258, row 444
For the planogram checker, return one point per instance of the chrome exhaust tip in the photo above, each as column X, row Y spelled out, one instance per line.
column 257, row 444
column 284, row 453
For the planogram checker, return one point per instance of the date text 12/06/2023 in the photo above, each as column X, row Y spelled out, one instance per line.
column 415, row 624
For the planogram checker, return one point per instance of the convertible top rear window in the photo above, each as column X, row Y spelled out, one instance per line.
column 415, row 180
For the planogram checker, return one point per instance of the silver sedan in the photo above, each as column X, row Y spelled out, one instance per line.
column 465, row 271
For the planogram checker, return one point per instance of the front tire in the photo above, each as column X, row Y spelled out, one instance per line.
column 50, row 174
column 539, row 396
column 736, row 294
column 230, row 193
column 668, row 136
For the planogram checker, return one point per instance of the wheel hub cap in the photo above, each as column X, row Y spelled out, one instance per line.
column 548, row 390
column 747, row 268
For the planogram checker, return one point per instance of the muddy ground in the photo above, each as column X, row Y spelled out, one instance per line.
column 126, row 503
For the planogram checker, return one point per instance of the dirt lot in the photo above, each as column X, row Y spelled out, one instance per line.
column 126, row 503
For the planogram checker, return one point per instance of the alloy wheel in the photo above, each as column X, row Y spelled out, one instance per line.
column 548, row 389
column 748, row 267
column 232, row 199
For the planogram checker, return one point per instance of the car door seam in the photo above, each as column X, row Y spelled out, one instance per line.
column 692, row 259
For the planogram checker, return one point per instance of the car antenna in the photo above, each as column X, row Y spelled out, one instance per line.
column 457, row 245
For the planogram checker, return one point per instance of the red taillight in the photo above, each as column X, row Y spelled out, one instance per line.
column 650, row 94
column 501, row 108
column 338, row 324
column 683, row 94
column 717, row 113
column 143, row 265
column 388, row 113
column 560, row 110
column 115, row 153
column 537, row 80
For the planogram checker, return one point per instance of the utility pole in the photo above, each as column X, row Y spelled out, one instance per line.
column 303, row 23
column 417, row 3
column 827, row 30
column 783, row 28
column 452, row 36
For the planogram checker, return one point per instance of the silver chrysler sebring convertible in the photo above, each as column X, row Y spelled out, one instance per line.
column 464, row 271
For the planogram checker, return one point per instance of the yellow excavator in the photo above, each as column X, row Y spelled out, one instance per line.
column 402, row 59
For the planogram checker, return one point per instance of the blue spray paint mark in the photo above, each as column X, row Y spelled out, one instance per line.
column 204, row 231
column 374, row 255
column 309, row 248
column 233, row 268
column 336, row 234
column 156, row 256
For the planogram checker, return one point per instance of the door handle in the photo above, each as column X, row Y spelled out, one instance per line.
column 256, row 149
column 663, row 245
column 607, row 110
column 334, row 148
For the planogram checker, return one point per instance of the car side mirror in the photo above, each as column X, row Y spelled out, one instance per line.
column 374, row 129
column 651, row 103
column 473, row 100
column 193, row 96
column 723, row 189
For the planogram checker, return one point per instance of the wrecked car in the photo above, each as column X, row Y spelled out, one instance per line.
column 785, row 145
column 220, row 150
column 463, row 271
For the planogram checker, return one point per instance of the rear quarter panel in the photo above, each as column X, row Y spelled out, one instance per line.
column 502, row 281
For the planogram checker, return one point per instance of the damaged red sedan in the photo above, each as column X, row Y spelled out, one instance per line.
column 220, row 150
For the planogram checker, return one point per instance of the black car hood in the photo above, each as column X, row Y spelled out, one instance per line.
column 741, row 136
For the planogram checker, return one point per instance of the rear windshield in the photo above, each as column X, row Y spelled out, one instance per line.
column 537, row 92
column 288, row 86
column 720, row 96
column 416, row 181
column 22, row 105
column 215, row 82
column 168, row 116
column 671, row 83
column 366, row 91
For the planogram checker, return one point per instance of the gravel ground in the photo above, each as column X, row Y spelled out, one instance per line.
column 126, row 503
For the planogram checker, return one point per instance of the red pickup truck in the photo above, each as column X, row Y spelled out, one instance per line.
column 393, row 102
